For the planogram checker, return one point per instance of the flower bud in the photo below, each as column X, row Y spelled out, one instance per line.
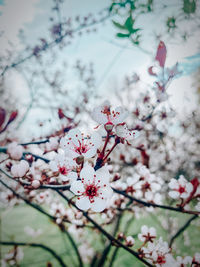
column 130, row 241
column 35, row 184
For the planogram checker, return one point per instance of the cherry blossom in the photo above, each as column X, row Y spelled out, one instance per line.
column 93, row 190
column 103, row 114
column 15, row 151
column 147, row 234
column 52, row 144
column 159, row 254
column 76, row 145
column 20, row 169
column 181, row 188
column 64, row 166
column 123, row 132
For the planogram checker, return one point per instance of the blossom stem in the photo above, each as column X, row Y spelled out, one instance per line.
column 149, row 204
column 51, row 251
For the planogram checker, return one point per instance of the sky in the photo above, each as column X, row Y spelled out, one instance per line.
column 113, row 58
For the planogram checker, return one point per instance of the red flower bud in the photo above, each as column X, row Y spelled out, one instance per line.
column 13, row 116
column 61, row 115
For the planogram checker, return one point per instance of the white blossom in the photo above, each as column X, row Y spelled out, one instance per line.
column 93, row 190
column 20, row 169
column 15, row 151
column 181, row 188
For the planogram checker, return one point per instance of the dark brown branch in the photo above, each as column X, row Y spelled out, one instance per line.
column 150, row 204
column 51, row 251
column 182, row 229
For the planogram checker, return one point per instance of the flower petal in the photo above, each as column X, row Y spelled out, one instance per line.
column 87, row 173
column 98, row 205
column 83, row 203
column 77, row 187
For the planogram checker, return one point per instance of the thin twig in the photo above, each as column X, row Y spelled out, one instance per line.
column 182, row 229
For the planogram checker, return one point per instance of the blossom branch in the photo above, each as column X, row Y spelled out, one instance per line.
column 149, row 204
column 51, row 251
column 104, row 232
column 48, row 215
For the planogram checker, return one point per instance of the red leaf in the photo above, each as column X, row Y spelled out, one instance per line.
column 150, row 71
column 2, row 116
column 161, row 54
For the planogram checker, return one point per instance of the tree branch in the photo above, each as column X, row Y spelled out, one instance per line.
column 104, row 232
column 182, row 229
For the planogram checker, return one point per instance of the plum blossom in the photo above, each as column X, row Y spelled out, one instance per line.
column 76, row 145
column 147, row 234
column 15, row 151
column 159, row 254
column 20, row 169
column 52, row 144
column 123, row 132
column 93, row 190
column 64, row 166
column 181, row 188
column 103, row 114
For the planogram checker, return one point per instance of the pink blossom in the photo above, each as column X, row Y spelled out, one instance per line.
column 93, row 190
column 20, row 169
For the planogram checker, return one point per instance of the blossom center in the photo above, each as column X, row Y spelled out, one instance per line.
column 91, row 191
column 161, row 260
column 63, row 170
column 181, row 189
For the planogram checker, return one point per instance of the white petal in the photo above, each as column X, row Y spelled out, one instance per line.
column 174, row 194
column 173, row 184
column 103, row 175
column 83, row 203
column 189, row 187
column 98, row 205
column 98, row 116
column 144, row 230
column 96, row 139
column 87, row 173
column 75, row 136
column 53, row 166
column 106, row 191
column 77, row 187
column 90, row 153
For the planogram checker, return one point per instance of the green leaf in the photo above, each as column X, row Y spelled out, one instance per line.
column 122, row 27
column 123, row 35
column 129, row 23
